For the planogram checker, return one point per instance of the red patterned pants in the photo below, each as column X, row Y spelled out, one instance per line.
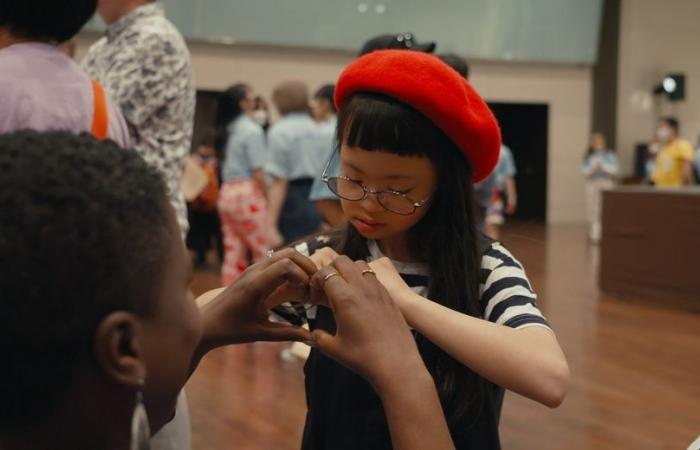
column 243, row 211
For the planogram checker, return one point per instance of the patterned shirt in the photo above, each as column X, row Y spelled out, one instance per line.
column 144, row 64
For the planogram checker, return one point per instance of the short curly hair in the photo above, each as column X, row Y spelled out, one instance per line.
column 85, row 229
column 46, row 19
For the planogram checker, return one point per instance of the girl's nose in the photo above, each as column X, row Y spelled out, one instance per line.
column 370, row 204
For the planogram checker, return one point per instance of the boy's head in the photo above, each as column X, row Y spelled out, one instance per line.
column 45, row 20
column 667, row 129
column 290, row 97
column 94, row 280
column 322, row 104
column 457, row 63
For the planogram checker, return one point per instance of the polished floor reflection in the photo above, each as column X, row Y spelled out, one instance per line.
column 635, row 367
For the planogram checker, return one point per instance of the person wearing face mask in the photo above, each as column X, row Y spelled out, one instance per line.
column 600, row 167
column 243, row 205
column 673, row 166
column 261, row 113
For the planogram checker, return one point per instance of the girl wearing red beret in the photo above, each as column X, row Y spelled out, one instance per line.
column 413, row 137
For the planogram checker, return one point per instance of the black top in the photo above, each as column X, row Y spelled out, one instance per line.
column 344, row 412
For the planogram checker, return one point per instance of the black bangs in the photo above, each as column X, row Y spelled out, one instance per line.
column 376, row 122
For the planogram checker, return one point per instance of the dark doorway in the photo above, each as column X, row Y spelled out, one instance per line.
column 524, row 129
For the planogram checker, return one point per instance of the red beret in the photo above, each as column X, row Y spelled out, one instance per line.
column 432, row 87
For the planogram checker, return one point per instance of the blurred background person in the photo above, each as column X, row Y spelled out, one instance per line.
column 203, row 216
column 697, row 162
column 500, row 193
column 650, row 162
column 497, row 194
column 144, row 64
column 398, row 41
column 673, row 167
column 456, row 62
column 243, row 205
column 600, row 167
column 41, row 87
column 297, row 151
column 261, row 112
column 324, row 112
column 323, row 107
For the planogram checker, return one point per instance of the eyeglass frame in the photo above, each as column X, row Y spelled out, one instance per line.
column 367, row 191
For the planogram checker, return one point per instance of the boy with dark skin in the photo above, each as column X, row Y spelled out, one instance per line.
column 97, row 310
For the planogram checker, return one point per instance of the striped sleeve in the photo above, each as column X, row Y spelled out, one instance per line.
column 507, row 297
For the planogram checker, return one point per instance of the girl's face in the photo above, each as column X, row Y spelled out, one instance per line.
column 379, row 171
column 598, row 141
column 248, row 102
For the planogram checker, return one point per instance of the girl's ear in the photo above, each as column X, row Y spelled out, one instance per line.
column 118, row 347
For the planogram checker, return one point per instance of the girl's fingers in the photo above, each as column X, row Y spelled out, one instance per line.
column 300, row 260
column 268, row 279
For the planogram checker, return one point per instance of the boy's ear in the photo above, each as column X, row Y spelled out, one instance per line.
column 118, row 347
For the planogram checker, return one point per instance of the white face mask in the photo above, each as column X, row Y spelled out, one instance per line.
column 260, row 116
column 663, row 134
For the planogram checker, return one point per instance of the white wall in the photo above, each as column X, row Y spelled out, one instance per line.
column 656, row 37
column 566, row 89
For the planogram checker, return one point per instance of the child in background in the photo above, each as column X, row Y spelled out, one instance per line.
column 243, row 207
column 501, row 193
column 202, row 211
column 324, row 112
column 600, row 167
column 297, row 151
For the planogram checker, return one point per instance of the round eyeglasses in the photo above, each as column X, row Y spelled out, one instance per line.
column 354, row 191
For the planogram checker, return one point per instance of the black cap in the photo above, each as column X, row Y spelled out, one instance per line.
column 401, row 41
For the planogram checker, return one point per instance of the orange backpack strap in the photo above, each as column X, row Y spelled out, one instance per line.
column 100, row 121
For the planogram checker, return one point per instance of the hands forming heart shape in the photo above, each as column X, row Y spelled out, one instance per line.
column 371, row 338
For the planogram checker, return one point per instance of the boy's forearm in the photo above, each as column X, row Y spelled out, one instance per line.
column 413, row 411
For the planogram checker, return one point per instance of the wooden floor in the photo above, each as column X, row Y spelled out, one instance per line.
column 635, row 367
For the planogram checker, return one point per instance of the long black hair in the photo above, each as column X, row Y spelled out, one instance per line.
column 446, row 239
column 228, row 109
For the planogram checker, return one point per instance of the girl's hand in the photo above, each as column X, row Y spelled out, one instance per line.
column 240, row 313
column 274, row 238
column 372, row 337
column 323, row 257
column 391, row 279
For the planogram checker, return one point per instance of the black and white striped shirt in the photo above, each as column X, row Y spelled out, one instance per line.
column 506, row 295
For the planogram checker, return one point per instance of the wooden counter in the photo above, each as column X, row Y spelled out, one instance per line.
column 650, row 246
